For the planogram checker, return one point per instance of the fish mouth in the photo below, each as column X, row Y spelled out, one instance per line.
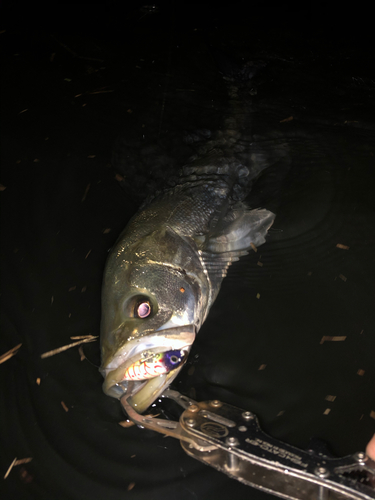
column 142, row 392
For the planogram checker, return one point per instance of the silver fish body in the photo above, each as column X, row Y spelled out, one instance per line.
column 166, row 269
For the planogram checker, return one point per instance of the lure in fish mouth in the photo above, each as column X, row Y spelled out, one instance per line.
column 165, row 271
column 150, row 365
column 149, row 374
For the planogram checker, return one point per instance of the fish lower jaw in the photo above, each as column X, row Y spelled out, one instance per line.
column 141, row 393
column 121, row 388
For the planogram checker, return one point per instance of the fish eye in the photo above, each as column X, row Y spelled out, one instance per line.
column 143, row 309
column 139, row 306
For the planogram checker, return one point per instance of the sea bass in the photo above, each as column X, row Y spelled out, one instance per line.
column 165, row 271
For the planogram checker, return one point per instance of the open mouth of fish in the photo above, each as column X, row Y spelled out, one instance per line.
column 144, row 367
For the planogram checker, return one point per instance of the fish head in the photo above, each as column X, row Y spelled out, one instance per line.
column 153, row 302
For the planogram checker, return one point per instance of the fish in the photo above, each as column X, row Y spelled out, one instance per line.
column 165, row 271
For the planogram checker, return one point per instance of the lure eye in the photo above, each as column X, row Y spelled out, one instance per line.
column 174, row 359
column 143, row 310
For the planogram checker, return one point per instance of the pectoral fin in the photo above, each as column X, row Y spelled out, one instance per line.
column 233, row 238
column 244, row 229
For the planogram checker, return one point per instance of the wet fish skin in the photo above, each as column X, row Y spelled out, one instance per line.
column 174, row 254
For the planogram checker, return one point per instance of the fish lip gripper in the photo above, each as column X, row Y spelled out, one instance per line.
column 230, row 440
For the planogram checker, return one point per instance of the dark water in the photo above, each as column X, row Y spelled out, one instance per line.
column 121, row 92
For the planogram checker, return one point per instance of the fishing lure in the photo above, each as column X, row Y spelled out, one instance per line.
column 155, row 365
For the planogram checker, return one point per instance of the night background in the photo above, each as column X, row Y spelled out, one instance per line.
column 98, row 103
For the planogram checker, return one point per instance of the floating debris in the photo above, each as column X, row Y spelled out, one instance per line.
column 259, row 263
column 335, row 338
column 21, row 461
column 130, row 486
column 10, row 468
column 88, row 253
column 64, row 406
column 262, row 367
column 343, row 247
column 342, row 277
column 258, row 295
column 330, row 398
column 15, row 463
column 253, row 247
column 81, row 353
column 86, row 191
column 101, row 92
column 326, row 411
column 360, row 372
column 68, row 346
column 119, row 177
column 289, row 119
column 106, row 231
column 80, row 337
column 7, row 355
column 38, row 381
